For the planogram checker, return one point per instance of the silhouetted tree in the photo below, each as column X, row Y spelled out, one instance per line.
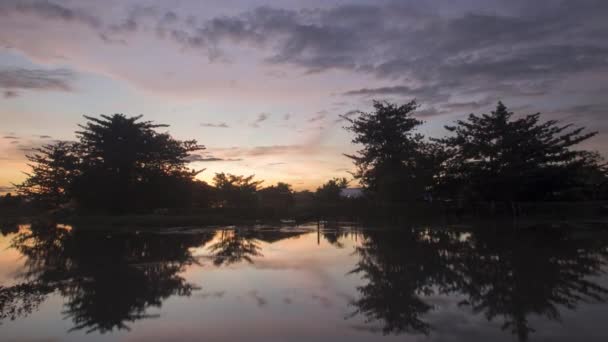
column 280, row 196
column 329, row 193
column 202, row 194
column 118, row 164
column 125, row 159
column 395, row 163
column 235, row 191
column 498, row 157
column 54, row 170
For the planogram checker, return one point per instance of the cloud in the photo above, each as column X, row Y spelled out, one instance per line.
column 197, row 158
column 318, row 116
column 4, row 189
column 215, row 125
column 10, row 137
column 8, row 94
column 35, row 79
column 259, row 300
column 522, row 50
column 263, row 151
column 260, row 118
column 379, row 91
column 346, row 115
column 48, row 10
column 443, row 53
column 286, row 117
column 428, row 93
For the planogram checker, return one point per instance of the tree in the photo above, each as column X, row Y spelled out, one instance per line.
column 235, row 191
column 395, row 163
column 54, row 169
column 498, row 157
column 118, row 164
column 279, row 196
column 331, row 190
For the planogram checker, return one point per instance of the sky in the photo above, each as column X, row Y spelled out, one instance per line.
column 262, row 84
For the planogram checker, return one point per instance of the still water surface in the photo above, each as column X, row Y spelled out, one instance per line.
column 336, row 283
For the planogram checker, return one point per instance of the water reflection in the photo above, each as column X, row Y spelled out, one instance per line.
column 108, row 280
column 235, row 246
column 516, row 278
column 503, row 274
column 240, row 244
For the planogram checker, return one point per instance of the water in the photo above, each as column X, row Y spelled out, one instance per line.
column 337, row 283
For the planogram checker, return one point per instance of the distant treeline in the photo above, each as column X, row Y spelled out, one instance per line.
column 121, row 164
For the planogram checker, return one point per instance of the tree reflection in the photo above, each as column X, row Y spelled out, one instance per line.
column 333, row 233
column 21, row 300
column 235, row 245
column 401, row 268
column 514, row 276
column 107, row 279
column 7, row 228
column 505, row 275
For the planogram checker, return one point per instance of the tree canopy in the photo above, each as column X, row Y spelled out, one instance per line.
column 395, row 163
column 236, row 191
column 118, row 163
column 499, row 156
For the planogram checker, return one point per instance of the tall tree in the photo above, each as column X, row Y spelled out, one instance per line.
column 279, row 196
column 330, row 191
column 500, row 157
column 54, row 169
column 118, row 163
column 236, row 191
column 395, row 162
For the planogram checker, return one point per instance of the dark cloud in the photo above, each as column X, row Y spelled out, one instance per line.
column 428, row 93
column 215, row 294
column 36, row 79
column 347, row 115
column 8, row 94
column 207, row 158
column 260, row 118
column 215, row 125
column 429, row 112
column 259, row 151
column 49, row 10
column 443, row 53
column 132, row 22
column 259, row 300
column 350, row 113
column 4, row 188
column 400, row 90
column 519, row 49
column 318, row 116
column 10, row 137
column 273, row 150
column 286, row 117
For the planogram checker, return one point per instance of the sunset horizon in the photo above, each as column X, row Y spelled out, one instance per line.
column 262, row 84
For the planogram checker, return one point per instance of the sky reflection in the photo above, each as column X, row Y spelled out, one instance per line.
column 301, row 284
